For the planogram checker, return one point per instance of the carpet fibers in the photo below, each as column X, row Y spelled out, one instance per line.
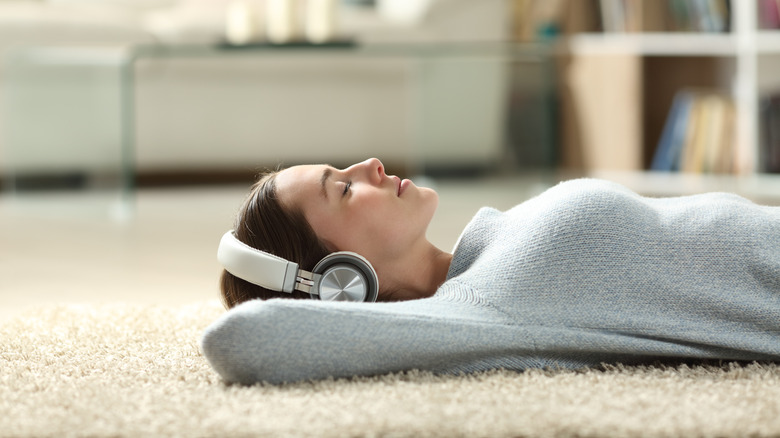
column 132, row 370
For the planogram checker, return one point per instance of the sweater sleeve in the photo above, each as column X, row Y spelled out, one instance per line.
column 290, row 340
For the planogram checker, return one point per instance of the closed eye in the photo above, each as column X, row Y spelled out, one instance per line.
column 346, row 188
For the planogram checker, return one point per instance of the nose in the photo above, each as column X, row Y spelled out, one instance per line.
column 372, row 169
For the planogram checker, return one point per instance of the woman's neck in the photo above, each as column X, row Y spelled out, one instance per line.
column 418, row 275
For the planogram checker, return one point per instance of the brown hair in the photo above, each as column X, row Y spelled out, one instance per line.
column 265, row 224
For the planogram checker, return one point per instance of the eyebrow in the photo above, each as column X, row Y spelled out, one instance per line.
column 323, row 179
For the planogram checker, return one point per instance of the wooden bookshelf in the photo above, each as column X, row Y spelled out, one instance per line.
column 617, row 88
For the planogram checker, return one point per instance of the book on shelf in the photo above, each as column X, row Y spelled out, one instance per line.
column 770, row 134
column 665, row 15
column 670, row 146
column 599, row 128
column 540, row 19
column 698, row 136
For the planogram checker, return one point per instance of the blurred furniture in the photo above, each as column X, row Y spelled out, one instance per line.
column 621, row 76
column 426, row 86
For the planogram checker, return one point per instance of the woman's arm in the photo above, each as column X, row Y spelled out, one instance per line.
column 289, row 340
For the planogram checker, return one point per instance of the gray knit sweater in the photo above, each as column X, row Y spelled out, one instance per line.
column 586, row 273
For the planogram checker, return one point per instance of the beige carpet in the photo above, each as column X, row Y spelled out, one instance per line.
column 134, row 370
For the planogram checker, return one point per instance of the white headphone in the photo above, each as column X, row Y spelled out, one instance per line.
column 340, row 276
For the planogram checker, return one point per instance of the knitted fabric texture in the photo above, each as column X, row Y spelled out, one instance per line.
column 586, row 273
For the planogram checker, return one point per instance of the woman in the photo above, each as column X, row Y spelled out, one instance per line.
column 586, row 273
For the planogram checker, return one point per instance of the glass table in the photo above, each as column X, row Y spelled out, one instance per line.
column 72, row 112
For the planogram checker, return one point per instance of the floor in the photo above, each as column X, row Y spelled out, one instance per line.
column 160, row 248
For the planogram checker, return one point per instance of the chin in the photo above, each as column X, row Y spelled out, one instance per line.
column 432, row 195
column 430, row 201
column 426, row 191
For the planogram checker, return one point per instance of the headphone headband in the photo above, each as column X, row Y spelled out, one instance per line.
column 255, row 266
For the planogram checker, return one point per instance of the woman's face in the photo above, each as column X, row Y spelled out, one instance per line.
column 360, row 208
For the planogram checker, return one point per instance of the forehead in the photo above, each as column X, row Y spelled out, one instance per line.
column 299, row 183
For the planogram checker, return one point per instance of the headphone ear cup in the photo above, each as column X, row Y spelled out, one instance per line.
column 346, row 276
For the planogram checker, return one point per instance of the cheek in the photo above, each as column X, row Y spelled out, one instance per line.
column 400, row 224
column 326, row 226
column 348, row 231
column 372, row 223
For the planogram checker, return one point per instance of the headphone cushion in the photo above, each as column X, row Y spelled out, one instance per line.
column 344, row 261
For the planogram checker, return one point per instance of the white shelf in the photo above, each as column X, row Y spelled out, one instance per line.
column 762, row 188
column 768, row 42
column 655, row 44
column 670, row 43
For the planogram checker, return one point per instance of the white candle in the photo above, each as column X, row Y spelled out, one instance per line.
column 282, row 20
column 320, row 20
column 241, row 24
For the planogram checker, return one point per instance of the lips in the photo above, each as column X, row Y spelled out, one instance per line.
column 402, row 186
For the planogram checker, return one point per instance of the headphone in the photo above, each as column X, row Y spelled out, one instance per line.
column 340, row 276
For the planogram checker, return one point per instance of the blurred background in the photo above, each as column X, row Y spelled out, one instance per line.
column 131, row 129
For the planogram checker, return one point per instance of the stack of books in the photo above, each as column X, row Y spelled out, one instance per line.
column 699, row 134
